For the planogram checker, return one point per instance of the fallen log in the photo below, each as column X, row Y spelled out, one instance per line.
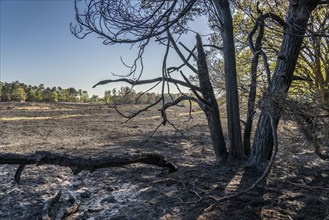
column 79, row 163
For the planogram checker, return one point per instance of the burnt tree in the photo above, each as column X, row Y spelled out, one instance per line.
column 140, row 22
column 211, row 106
column 296, row 25
column 232, row 102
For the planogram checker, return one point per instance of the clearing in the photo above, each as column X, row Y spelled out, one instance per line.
column 296, row 188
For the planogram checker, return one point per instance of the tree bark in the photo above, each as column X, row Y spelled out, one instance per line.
column 298, row 15
column 211, row 107
column 251, row 105
column 232, row 102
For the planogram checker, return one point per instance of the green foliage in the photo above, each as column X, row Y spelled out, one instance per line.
column 30, row 95
column 84, row 97
column 53, row 96
column 39, row 95
column 13, row 92
column 17, row 91
column 63, row 95
column 107, row 96
column 312, row 65
column 127, row 95
column 94, row 98
column 151, row 98
column 18, row 94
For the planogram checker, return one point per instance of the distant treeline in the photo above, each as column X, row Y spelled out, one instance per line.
column 17, row 91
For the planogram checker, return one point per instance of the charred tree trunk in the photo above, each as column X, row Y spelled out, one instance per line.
column 232, row 102
column 298, row 15
column 211, row 106
column 253, row 82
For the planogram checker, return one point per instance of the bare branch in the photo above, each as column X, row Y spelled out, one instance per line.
column 116, row 21
column 146, row 91
column 179, row 52
column 194, row 92
column 171, row 69
column 173, row 103
column 129, row 117
column 214, row 46
column 188, row 50
column 147, row 81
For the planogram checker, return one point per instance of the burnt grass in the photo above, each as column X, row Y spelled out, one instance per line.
column 296, row 188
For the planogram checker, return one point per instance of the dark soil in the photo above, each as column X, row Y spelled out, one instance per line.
column 296, row 188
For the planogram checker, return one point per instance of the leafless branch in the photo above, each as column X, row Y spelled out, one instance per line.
column 116, row 21
column 131, row 116
column 147, row 81
column 180, row 54
column 194, row 92
column 154, row 131
column 213, row 46
column 146, row 91
column 173, row 103
column 188, row 50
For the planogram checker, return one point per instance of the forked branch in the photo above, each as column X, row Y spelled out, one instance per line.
column 173, row 103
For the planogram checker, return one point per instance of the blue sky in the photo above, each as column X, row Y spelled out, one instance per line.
column 38, row 47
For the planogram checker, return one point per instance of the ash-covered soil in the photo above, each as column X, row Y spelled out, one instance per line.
column 297, row 187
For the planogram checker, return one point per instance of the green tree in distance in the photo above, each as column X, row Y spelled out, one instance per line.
column 107, row 96
column 18, row 94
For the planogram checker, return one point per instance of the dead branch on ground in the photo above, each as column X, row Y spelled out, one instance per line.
column 79, row 163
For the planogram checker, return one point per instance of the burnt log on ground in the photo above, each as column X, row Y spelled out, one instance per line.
column 79, row 163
